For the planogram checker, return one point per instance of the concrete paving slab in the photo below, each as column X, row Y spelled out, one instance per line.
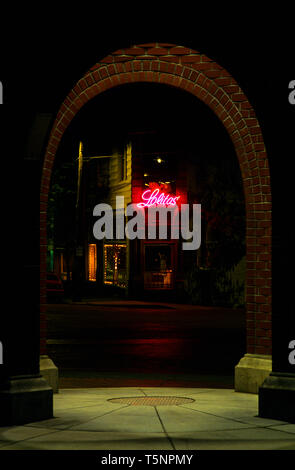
column 10, row 435
column 83, row 440
column 87, row 420
column 64, row 419
column 241, row 439
column 225, row 411
column 227, row 394
column 128, row 419
column 284, row 427
column 180, row 419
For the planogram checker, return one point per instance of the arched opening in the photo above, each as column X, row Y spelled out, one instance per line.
column 195, row 73
column 156, row 121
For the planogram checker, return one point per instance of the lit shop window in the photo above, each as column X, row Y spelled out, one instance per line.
column 158, row 273
column 92, row 262
column 115, row 271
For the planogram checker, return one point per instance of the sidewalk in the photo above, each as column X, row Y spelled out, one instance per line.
column 134, row 418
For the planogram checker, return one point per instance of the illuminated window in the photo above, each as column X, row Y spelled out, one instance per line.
column 126, row 156
column 92, row 262
column 115, row 271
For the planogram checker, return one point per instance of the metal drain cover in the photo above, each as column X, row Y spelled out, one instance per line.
column 151, row 401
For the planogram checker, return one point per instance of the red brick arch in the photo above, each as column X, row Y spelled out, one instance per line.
column 194, row 72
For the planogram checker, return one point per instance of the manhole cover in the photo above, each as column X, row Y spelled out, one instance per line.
column 151, row 401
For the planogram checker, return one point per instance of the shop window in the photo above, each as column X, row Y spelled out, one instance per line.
column 158, row 273
column 115, row 270
column 92, row 262
column 62, row 267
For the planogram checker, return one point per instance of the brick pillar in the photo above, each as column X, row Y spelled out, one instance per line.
column 25, row 396
column 277, row 393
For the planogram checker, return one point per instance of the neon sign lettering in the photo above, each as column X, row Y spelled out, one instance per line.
column 152, row 198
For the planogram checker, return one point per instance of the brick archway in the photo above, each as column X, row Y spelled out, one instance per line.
column 194, row 72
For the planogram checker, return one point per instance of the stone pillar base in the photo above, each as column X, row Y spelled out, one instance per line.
column 251, row 372
column 25, row 399
column 49, row 371
column 277, row 397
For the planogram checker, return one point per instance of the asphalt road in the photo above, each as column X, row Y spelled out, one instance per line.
column 155, row 342
column 170, row 341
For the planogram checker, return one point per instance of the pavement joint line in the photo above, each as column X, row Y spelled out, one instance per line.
column 257, row 428
column 33, row 425
column 215, row 430
column 96, row 417
column 10, row 443
column 280, row 430
column 239, row 420
column 187, row 407
column 66, row 428
column 164, row 429
column 78, row 408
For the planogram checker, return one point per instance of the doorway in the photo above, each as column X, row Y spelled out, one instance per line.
column 159, row 265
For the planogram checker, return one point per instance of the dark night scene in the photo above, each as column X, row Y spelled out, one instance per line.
column 157, row 304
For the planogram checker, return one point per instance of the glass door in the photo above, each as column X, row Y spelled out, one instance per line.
column 158, row 266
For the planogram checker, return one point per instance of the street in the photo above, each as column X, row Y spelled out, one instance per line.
column 109, row 343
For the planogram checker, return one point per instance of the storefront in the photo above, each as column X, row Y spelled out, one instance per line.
column 153, row 177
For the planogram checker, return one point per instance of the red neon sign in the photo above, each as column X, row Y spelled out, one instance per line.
column 152, row 198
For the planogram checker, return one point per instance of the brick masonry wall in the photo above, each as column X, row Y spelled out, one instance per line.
column 196, row 73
